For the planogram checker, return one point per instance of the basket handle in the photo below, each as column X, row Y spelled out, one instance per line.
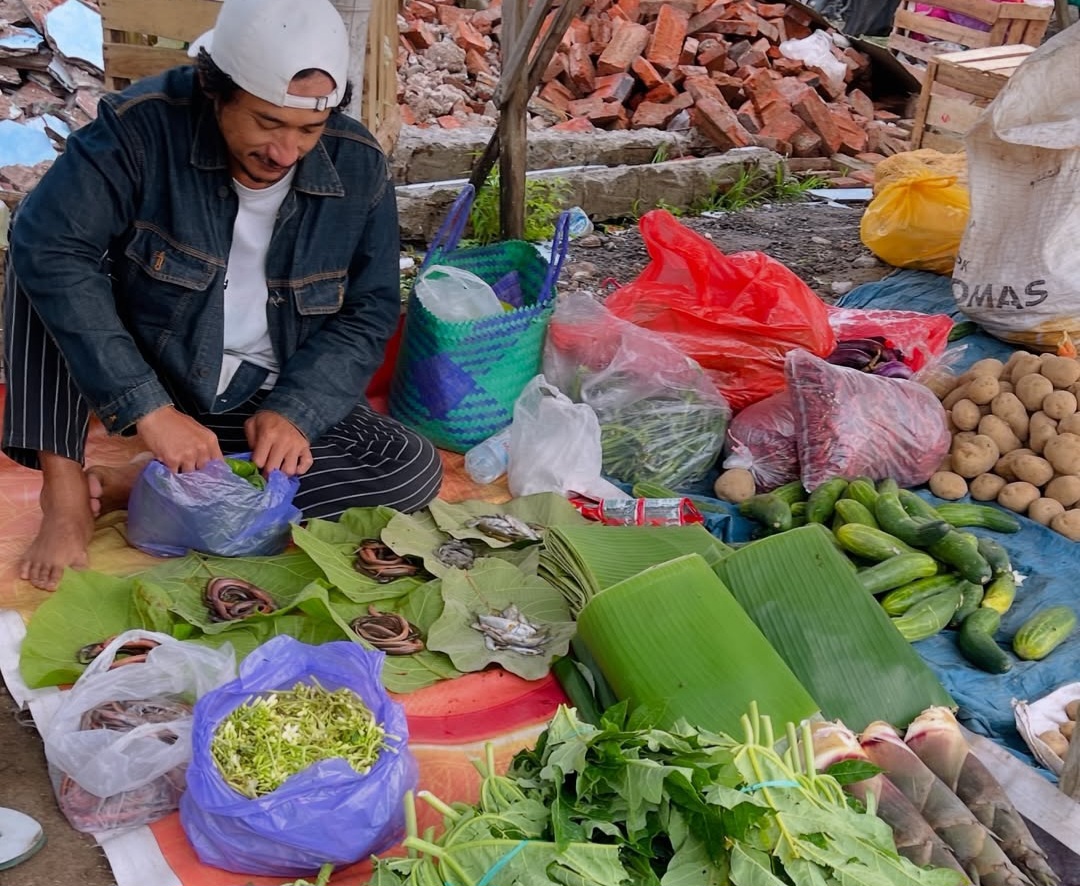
column 560, row 243
column 453, row 226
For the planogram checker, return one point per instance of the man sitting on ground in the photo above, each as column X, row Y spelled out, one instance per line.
column 213, row 264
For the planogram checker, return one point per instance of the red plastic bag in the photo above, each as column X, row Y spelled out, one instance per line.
column 920, row 337
column 736, row 315
column 850, row 423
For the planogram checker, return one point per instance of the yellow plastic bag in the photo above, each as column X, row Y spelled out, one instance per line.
column 923, row 160
column 917, row 222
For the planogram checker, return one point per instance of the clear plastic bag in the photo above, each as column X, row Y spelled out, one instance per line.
column 210, row 510
column 761, row 439
column 850, row 423
column 555, row 445
column 119, row 742
column 327, row 813
column 662, row 419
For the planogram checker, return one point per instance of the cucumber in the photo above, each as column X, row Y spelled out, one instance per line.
column 976, row 642
column 850, row 511
column 995, row 555
column 918, row 532
column 1044, row 632
column 972, row 596
column 768, row 509
column 960, row 550
column 896, row 572
column 959, row 515
column 790, row 492
column 1000, row 592
column 862, row 490
column 888, row 486
column 929, row 616
column 901, row 599
column 870, row 543
column 819, row 507
column 917, row 506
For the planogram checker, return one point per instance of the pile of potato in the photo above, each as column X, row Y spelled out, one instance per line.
column 1058, row 739
column 1016, row 437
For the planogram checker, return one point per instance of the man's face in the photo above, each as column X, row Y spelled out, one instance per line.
column 265, row 141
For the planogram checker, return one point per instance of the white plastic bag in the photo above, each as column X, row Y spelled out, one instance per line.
column 454, row 294
column 1018, row 267
column 816, row 51
column 555, row 445
column 111, row 764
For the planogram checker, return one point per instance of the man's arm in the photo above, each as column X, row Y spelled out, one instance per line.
column 62, row 232
column 322, row 382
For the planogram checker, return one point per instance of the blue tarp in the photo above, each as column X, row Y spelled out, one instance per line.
column 1049, row 562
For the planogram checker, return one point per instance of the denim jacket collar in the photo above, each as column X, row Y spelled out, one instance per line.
column 315, row 173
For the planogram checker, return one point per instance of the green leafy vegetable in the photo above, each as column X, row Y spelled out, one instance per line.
column 246, row 469
column 272, row 736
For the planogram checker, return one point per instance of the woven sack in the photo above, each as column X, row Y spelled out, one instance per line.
column 456, row 382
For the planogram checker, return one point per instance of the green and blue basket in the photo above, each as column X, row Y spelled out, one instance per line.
column 456, row 382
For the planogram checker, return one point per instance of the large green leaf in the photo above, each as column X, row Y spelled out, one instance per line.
column 417, row 535
column 544, row 510
column 489, row 588
column 336, row 560
column 86, row 608
column 353, row 526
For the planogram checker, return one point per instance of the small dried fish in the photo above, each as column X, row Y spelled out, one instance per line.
column 511, row 631
column 388, row 632
column 230, row 599
column 504, row 527
column 378, row 561
column 456, row 553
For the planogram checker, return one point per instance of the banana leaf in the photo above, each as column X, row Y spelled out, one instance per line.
column 583, row 560
column 801, row 592
column 673, row 639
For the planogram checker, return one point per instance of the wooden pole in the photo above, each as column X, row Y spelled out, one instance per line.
column 513, row 120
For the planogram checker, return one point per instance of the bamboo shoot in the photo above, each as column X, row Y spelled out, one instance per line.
column 971, row 842
column 936, row 738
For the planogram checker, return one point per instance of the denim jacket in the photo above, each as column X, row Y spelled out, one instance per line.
column 122, row 249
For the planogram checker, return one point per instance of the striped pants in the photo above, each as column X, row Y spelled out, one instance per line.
column 365, row 460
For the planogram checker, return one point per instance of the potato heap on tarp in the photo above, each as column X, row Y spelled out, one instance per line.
column 1016, row 437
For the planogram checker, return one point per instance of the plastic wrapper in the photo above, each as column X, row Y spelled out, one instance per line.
column 761, row 439
column 662, row 420
column 850, row 423
column 120, row 740
column 210, row 510
column 639, row 511
column 736, row 315
column 327, row 813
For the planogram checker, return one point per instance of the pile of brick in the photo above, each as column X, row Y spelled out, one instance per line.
column 669, row 64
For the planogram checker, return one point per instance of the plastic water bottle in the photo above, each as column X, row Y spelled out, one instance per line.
column 487, row 461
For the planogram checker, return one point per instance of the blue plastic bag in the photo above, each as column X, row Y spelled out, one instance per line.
column 211, row 510
column 326, row 813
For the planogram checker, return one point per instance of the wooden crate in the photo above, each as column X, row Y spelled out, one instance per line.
column 958, row 85
column 144, row 37
column 1010, row 24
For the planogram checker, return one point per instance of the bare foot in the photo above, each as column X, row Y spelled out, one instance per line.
column 110, row 487
column 66, row 527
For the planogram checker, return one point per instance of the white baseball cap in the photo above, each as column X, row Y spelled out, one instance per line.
column 263, row 44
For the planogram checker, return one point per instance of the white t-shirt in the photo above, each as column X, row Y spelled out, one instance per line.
column 247, row 335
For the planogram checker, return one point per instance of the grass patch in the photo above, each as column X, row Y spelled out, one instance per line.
column 755, row 187
column 544, row 199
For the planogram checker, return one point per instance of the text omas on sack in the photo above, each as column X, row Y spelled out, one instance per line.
column 999, row 296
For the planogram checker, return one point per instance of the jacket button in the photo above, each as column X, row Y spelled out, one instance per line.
column 202, row 372
column 223, row 192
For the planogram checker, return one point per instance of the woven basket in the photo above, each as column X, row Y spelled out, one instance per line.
column 456, row 382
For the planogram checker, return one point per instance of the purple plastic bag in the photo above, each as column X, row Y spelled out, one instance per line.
column 210, row 510
column 328, row 813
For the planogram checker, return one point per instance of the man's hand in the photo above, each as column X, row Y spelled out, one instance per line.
column 276, row 443
column 177, row 440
